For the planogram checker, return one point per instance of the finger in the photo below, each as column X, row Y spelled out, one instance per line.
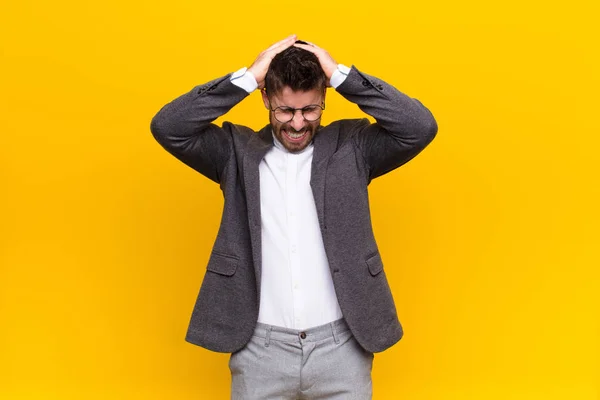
column 311, row 44
column 279, row 42
column 273, row 52
column 304, row 46
column 268, row 54
column 282, row 46
column 307, row 47
column 286, row 40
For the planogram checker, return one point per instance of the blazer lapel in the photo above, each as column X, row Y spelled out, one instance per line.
column 325, row 143
column 258, row 146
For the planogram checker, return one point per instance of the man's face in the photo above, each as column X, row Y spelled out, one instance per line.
column 296, row 134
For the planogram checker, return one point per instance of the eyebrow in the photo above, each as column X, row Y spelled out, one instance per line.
column 301, row 108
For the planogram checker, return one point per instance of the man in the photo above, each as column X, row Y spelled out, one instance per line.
column 295, row 287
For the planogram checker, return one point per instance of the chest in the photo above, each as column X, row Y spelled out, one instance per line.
column 285, row 190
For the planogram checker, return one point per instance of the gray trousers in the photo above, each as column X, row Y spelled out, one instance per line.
column 324, row 362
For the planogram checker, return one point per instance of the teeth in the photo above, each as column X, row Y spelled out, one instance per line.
column 295, row 135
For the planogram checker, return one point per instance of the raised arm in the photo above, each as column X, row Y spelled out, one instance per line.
column 184, row 126
column 404, row 126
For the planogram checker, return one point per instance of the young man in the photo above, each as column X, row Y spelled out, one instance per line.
column 295, row 287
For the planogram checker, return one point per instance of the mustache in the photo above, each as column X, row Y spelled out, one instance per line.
column 292, row 130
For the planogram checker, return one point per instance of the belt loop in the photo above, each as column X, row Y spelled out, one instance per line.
column 334, row 332
column 268, row 336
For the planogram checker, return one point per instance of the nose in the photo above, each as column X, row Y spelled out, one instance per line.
column 298, row 121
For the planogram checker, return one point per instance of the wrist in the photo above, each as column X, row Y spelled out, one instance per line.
column 330, row 70
column 339, row 75
column 245, row 79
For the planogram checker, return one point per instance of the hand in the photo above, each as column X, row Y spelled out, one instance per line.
column 260, row 66
column 327, row 63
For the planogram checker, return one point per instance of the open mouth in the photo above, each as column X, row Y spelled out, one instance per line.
column 295, row 136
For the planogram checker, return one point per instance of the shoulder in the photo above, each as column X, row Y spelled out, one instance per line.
column 238, row 132
column 244, row 138
column 347, row 128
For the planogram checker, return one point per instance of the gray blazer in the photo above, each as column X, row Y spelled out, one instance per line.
column 347, row 155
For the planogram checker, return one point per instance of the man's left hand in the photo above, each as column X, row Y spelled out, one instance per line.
column 327, row 62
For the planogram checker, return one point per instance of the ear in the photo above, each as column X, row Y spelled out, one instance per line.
column 265, row 98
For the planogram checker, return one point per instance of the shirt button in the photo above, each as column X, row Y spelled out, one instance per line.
column 302, row 335
column 295, row 286
column 293, row 248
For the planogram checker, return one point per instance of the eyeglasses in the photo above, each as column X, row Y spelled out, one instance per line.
column 310, row 113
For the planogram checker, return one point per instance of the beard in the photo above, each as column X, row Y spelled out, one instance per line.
column 294, row 140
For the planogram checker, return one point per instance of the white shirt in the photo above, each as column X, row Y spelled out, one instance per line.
column 297, row 288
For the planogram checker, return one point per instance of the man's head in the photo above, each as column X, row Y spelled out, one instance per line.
column 295, row 80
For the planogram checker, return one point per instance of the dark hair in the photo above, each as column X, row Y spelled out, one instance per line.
column 297, row 68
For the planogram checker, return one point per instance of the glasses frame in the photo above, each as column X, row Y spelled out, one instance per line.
column 293, row 110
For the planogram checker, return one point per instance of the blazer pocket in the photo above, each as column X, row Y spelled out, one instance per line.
column 375, row 264
column 223, row 264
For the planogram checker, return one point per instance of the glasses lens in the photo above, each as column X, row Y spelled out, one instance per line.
column 283, row 115
column 312, row 113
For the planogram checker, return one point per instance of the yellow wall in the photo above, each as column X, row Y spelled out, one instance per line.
column 488, row 236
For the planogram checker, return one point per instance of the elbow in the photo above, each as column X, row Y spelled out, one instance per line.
column 158, row 128
column 430, row 126
column 431, row 130
column 428, row 131
column 427, row 127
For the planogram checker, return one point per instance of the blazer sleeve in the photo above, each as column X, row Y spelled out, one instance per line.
column 184, row 126
column 404, row 126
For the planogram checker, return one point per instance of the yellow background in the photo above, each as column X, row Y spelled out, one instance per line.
column 489, row 237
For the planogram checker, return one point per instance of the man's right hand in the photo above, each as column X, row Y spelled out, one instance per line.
column 260, row 66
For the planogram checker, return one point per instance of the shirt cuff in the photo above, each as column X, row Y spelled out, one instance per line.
column 339, row 75
column 244, row 79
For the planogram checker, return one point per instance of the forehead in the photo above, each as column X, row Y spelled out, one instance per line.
column 287, row 97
